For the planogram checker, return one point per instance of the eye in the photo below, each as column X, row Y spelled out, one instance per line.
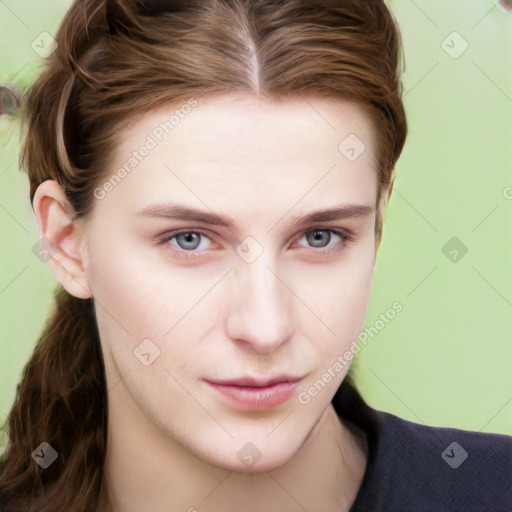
column 323, row 236
column 320, row 238
column 185, row 240
column 187, row 243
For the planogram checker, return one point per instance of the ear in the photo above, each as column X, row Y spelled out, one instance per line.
column 61, row 238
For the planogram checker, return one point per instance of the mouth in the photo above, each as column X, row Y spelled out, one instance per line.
column 249, row 393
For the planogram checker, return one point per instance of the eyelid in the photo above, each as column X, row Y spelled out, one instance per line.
column 347, row 237
column 168, row 235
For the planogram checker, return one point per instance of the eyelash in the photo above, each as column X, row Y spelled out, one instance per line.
column 346, row 239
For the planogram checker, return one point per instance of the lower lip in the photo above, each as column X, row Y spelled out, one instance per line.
column 256, row 398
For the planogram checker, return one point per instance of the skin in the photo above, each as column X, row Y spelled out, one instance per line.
column 173, row 440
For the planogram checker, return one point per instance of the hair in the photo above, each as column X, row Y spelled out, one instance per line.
column 116, row 59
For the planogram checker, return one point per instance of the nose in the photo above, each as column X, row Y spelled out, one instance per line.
column 259, row 315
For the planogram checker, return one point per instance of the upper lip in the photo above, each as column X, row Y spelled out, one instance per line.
column 258, row 382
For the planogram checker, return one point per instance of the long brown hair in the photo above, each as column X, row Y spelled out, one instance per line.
column 119, row 58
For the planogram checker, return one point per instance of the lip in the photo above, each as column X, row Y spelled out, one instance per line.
column 253, row 393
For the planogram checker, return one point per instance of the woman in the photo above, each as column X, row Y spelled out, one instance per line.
column 185, row 161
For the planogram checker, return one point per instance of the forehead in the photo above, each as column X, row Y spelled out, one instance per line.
column 300, row 123
column 239, row 150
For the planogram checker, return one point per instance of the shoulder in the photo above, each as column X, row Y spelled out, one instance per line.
column 428, row 468
column 412, row 466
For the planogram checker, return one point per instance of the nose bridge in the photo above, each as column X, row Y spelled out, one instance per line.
column 260, row 312
column 263, row 285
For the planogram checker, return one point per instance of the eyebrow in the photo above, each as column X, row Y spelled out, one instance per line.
column 180, row 212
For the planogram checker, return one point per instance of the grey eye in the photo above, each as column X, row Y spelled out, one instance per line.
column 318, row 235
column 185, row 239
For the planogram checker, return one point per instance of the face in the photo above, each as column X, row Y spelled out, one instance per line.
column 246, row 286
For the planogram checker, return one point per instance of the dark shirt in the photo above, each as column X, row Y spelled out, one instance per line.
column 413, row 467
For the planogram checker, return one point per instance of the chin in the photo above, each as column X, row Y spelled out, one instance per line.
column 252, row 457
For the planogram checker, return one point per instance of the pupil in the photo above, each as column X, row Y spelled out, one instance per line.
column 189, row 238
column 319, row 234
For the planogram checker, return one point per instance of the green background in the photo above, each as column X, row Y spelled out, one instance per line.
column 446, row 358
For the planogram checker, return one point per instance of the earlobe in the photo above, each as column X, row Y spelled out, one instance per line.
column 60, row 238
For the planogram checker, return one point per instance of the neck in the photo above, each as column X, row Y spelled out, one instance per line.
column 147, row 470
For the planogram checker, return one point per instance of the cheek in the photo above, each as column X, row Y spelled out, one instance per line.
column 139, row 287
column 355, row 291
column 137, row 301
column 339, row 292
column 339, row 298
